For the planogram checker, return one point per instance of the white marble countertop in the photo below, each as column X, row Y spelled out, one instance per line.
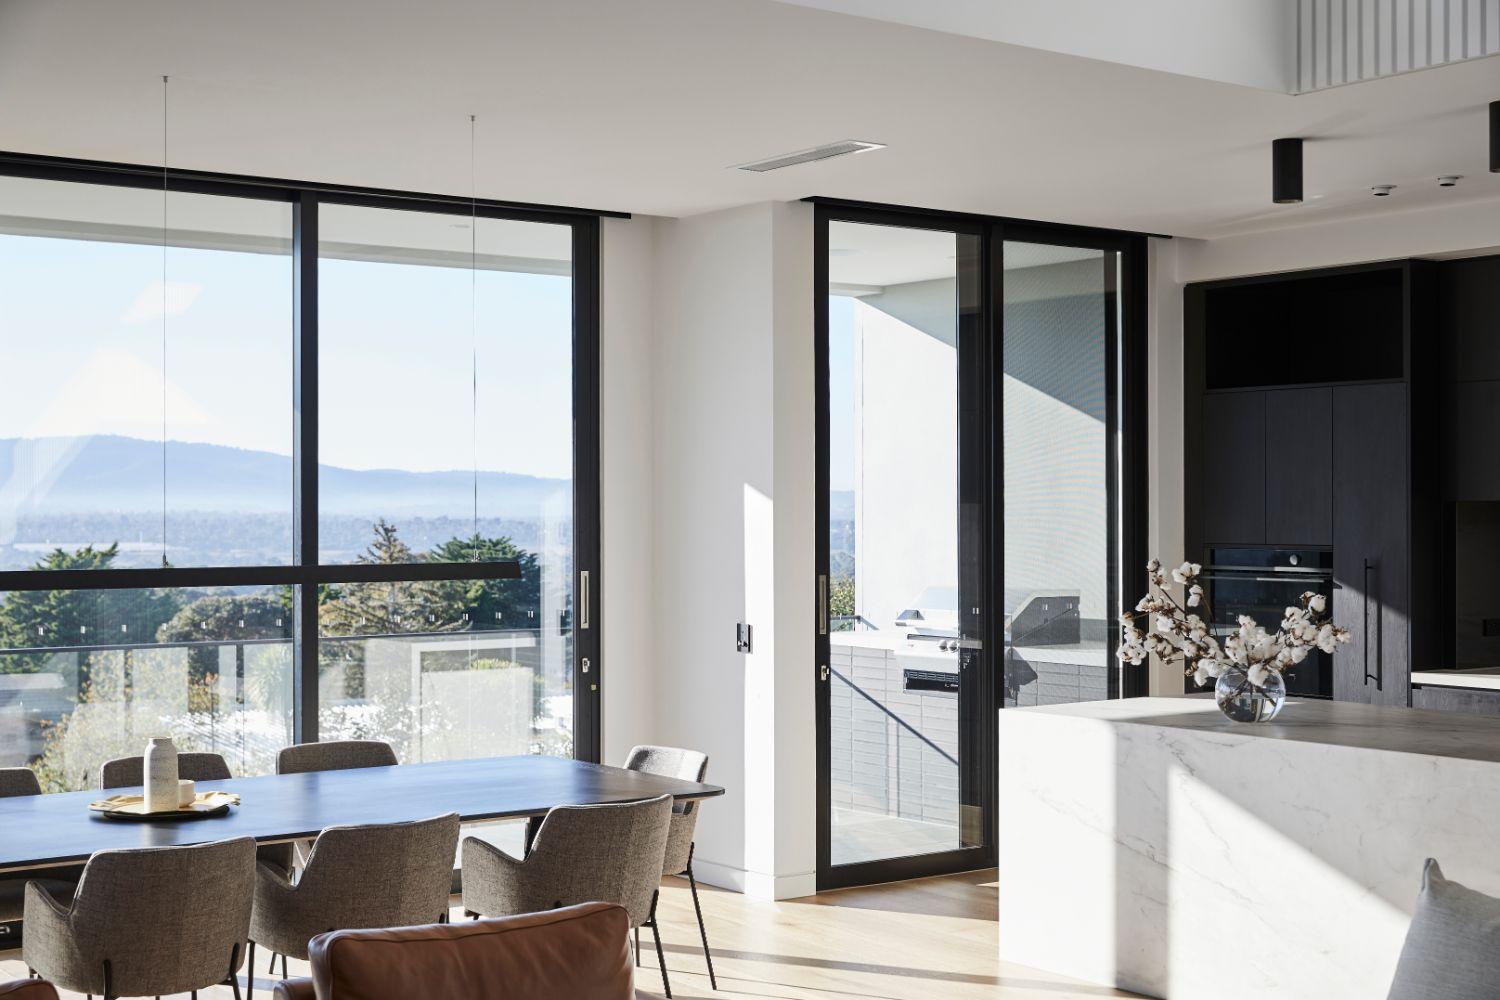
column 1373, row 727
column 1468, row 677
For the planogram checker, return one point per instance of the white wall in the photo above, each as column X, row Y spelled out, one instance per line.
column 627, row 484
column 734, row 532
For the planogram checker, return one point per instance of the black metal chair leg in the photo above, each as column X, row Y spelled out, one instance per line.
column 661, row 958
column 284, row 973
column 271, row 969
column 702, row 930
column 250, row 971
column 233, row 979
column 637, row 946
column 109, row 981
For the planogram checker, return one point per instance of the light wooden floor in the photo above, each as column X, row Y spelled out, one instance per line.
column 932, row 939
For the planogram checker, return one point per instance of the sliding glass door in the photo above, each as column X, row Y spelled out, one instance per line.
column 904, row 495
column 1060, row 323
column 973, row 417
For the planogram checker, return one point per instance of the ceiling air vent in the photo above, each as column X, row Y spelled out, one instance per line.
column 832, row 149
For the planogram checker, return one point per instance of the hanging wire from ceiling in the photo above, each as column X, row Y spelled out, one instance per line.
column 165, row 80
column 474, row 330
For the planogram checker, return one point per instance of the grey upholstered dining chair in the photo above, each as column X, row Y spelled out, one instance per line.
column 380, row 875
column 305, row 758
column 689, row 765
column 146, row 921
column 130, row 772
column 60, row 882
column 605, row 853
column 335, row 755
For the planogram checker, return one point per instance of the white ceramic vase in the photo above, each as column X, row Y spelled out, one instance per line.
column 161, row 774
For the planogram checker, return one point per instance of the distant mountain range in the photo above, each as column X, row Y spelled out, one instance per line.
column 63, row 475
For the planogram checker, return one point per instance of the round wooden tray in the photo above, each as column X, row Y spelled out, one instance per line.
column 170, row 815
column 132, row 808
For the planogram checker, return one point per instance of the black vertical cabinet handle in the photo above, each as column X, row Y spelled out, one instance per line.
column 1379, row 676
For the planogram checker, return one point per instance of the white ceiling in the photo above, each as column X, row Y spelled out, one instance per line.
column 1249, row 42
column 642, row 107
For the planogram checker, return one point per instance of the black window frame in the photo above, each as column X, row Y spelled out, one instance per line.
column 306, row 572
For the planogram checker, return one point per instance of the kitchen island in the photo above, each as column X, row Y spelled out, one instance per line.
column 1154, row 845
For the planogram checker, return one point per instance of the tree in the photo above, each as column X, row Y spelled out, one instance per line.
column 491, row 603
column 52, row 618
column 841, row 597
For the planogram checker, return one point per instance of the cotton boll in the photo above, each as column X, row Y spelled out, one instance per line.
column 1259, row 674
column 1201, row 674
column 1317, row 603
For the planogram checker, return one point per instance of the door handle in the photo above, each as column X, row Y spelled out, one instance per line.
column 823, row 672
column 583, row 599
column 823, row 604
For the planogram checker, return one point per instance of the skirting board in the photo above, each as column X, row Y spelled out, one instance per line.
column 758, row 885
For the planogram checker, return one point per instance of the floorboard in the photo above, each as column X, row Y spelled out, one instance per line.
column 929, row 939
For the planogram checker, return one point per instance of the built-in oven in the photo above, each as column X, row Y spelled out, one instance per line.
column 1263, row 583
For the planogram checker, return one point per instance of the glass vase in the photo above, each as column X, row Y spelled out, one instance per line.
column 1246, row 702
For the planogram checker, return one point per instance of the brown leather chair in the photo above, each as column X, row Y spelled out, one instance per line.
column 27, row 989
column 575, row 953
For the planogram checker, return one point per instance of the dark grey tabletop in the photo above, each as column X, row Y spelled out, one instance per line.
column 38, row 830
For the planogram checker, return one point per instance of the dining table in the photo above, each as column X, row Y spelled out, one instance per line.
column 41, row 831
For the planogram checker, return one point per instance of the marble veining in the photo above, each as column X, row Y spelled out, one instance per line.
column 1332, row 723
column 1153, row 845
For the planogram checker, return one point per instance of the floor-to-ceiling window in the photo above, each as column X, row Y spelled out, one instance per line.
column 280, row 464
column 980, row 462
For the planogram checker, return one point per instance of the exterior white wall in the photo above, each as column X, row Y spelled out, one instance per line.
column 734, row 532
column 905, row 463
column 627, row 485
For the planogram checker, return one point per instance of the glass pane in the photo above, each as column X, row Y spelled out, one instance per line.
column 1059, row 307
column 894, row 582
column 147, row 403
column 446, row 391
column 447, row 670
column 86, row 676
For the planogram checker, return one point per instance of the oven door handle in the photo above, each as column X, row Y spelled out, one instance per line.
column 1266, row 578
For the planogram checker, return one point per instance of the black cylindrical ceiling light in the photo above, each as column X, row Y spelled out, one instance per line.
column 1495, row 137
column 1286, row 171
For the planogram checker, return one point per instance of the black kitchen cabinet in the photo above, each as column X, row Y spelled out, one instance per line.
column 1234, row 468
column 1455, row 699
column 1299, row 467
column 1371, row 548
column 1311, row 411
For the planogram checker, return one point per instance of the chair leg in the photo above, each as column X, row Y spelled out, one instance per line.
column 284, row 973
column 638, row 946
column 702, row 930
column 661, row 957
column 109, row 984
column 233, row 979
column 250, row 971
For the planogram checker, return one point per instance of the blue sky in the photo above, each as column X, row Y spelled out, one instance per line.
column 81, row 331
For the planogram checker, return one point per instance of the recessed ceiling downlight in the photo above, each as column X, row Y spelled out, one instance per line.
column 844, row 147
